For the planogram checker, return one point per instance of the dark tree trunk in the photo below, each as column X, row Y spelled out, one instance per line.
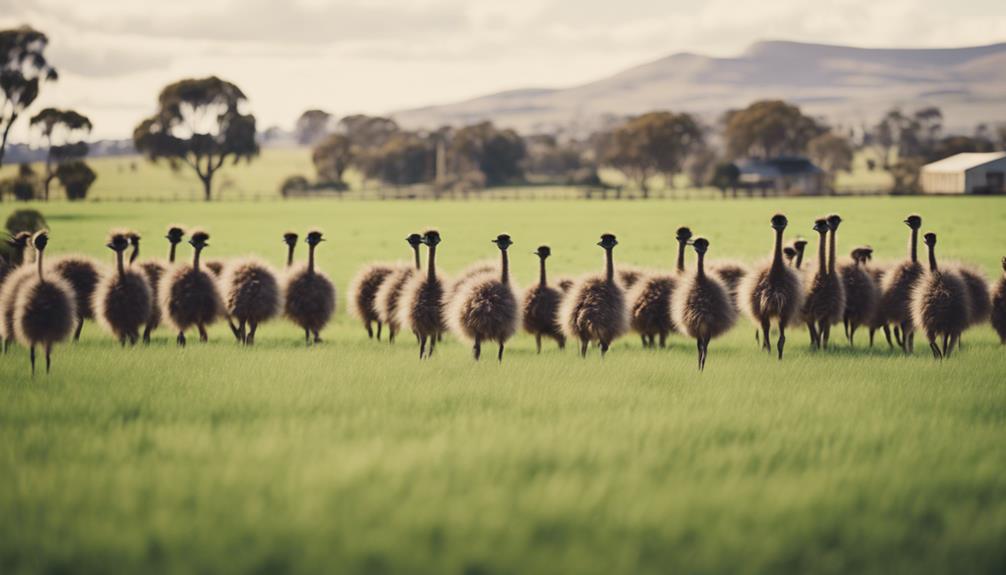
column 207, row 187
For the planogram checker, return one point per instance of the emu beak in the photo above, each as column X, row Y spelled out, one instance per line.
column 110, row 246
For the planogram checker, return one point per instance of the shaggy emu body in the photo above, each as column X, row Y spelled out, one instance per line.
column 595, row 308
column 979, row 298
column 189, row 294
column 251, row 294
column 485, row 307
column 45, row 308
column 998, row 314
column 122, row 299
column 940, row 304
column 13, row 274
column 16, row 245
column 565, row 285
column 702, row 307
column 388, row 295
column 650, row 299
column 896, row 290
column 861, row 293
column 421, row 305
column 155, row 270
column 876, row 273
column 732, row 274
column 310, row 295
column 824, row 303
column 363, row 296
column 540, row 308
column 773, row 293
column 630, row 276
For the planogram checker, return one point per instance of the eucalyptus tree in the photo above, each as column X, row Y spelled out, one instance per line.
column 23, row 68
column 63, row 131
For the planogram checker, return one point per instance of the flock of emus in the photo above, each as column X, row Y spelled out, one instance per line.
column 46, row 303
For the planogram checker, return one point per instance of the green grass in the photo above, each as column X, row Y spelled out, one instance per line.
column 356, row 457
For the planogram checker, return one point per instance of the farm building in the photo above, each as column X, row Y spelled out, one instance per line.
column 783, row 175
column 966, row 174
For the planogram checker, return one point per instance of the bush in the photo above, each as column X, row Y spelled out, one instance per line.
column 25, row 221
column 294, row 185
column 76, row 178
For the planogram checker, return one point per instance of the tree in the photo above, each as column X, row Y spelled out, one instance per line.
column 726, row 176
column 700, row 166
column 958, row 145
column 769, row 128
column 22, row 69
column 405, row 159
column 657, row 142
column 332, row 156
column 833, row 153
column 199, row 124
column 497, row 154
column 368, row 132
column 312, row 126
column 76, row 178
column 905, row 174
column 62, row 130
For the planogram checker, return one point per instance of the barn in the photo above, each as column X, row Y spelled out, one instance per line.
column 966, row 174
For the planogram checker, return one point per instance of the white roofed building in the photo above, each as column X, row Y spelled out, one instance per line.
column 966, row 174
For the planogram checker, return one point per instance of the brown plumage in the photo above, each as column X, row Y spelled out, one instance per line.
column 595, row 308
column 540, row 307
column 732, row 274
column 876, row 272
column 388, row 295
column 861, row 293
column 485, row 307
column 362, row 295
column 83, row 274
column 896, row 290
column 701, row 306
column 998, row 313
column 824, row 302
column 474, row 270
column 650, row 299
column 14, row 256
column 122, row 299
column 215, row 267
column 940, row 304
column 45, row 307
column 421, row 305
column 310, row 294
column 14, row 274
column 629, row 276
column 772, row 293
column 189, row 294
column 979, row 298
column 565, row 284
column 251, row 294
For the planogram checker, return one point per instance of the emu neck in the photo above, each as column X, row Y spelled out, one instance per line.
column 822, row 258
column 831, row 251
column 609, row 265
column 799, row 257
column 913, row 246
column 134, row 254
column 431, row 273
column 700, row 267
column 505, row 264
column 681, row 256
column 195, row 259
column 118, row 263
column 932, row 258
column 289, row 255
column 415, row 255
column 542, row 279
column 171, row 252
column 38, row 260
column 310, row 258
column 777, row 263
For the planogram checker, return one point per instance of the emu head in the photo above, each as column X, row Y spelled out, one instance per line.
column 608, row 241
column 503, row 241
column 779, row 222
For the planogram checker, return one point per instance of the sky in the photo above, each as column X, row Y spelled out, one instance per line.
column 377, row 56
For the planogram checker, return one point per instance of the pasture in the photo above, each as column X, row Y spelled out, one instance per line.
column 356, row 457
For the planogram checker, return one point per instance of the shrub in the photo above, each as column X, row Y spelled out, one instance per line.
column 76, row 178
column 25, row 221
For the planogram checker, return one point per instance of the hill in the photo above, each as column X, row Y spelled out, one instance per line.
column 841, row 83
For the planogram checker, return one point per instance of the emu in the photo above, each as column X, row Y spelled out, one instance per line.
column 45, row 308
column 122, row 298
column 702, row 306
column 485, row 307
column 595, row 308
column 940, row 304
column 421, row 307
column 310, row 294
column 541, row 306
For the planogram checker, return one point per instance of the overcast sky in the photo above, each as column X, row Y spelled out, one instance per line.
column 377, row 56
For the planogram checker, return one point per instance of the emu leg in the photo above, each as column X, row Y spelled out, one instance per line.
column 852, row 334
column 782, row 339
column 946, row 345
column 392, row 332
column 604, row 348
column 910, row 338
column 6, row 344
column 122, row 341
column 583, row 347
column 897, row 337
column 48, row 357
column 932, row 345
column 698, row 348
column 307, row 337
column 757, row 337
column 433, row 343
column 146, row 334
column 537, row 342
column 250, row 340
column 80, row 326
column 815, row 341
column 422, row 347
column 317, row 336
column 825, row 333
column 887, row 334
column 133, row 338
column 766, row 343
column 845, row 323
column 180, row 340
column 230, row 323
column 477, row 348
column 242, row 334
column 380, row 326
column 203, row 337
column 663, row 340
column 642, row 339
column 561, row 340
column 499, row 358
column 32, row 354
column 370, row 331
column 872, row 331
column 955, row 340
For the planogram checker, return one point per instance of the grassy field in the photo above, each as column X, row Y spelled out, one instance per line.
column 132, row 177
column 355, row 457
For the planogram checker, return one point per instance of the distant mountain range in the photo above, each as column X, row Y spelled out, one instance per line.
column 843, row 84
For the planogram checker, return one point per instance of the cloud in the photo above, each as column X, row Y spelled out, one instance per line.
column 97, row 61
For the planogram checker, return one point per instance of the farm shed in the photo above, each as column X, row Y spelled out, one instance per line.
column 784, row 175
column 966, row 174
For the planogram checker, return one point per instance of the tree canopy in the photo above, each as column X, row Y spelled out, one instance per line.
column 312, row 126
column 769, row 128
column 199, row 123
column 23, row 67
column 653, row 143
column 62, row 130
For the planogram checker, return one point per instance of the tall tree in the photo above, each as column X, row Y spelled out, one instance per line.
column 199, row 124
column 312, row 126
column 368, row 132
column 769, row 128
column 832, row 152
column 22, row 69
column 497, row 154
column 657, row 142
column 332, row 156
column 406, row 158
column 63, row 131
